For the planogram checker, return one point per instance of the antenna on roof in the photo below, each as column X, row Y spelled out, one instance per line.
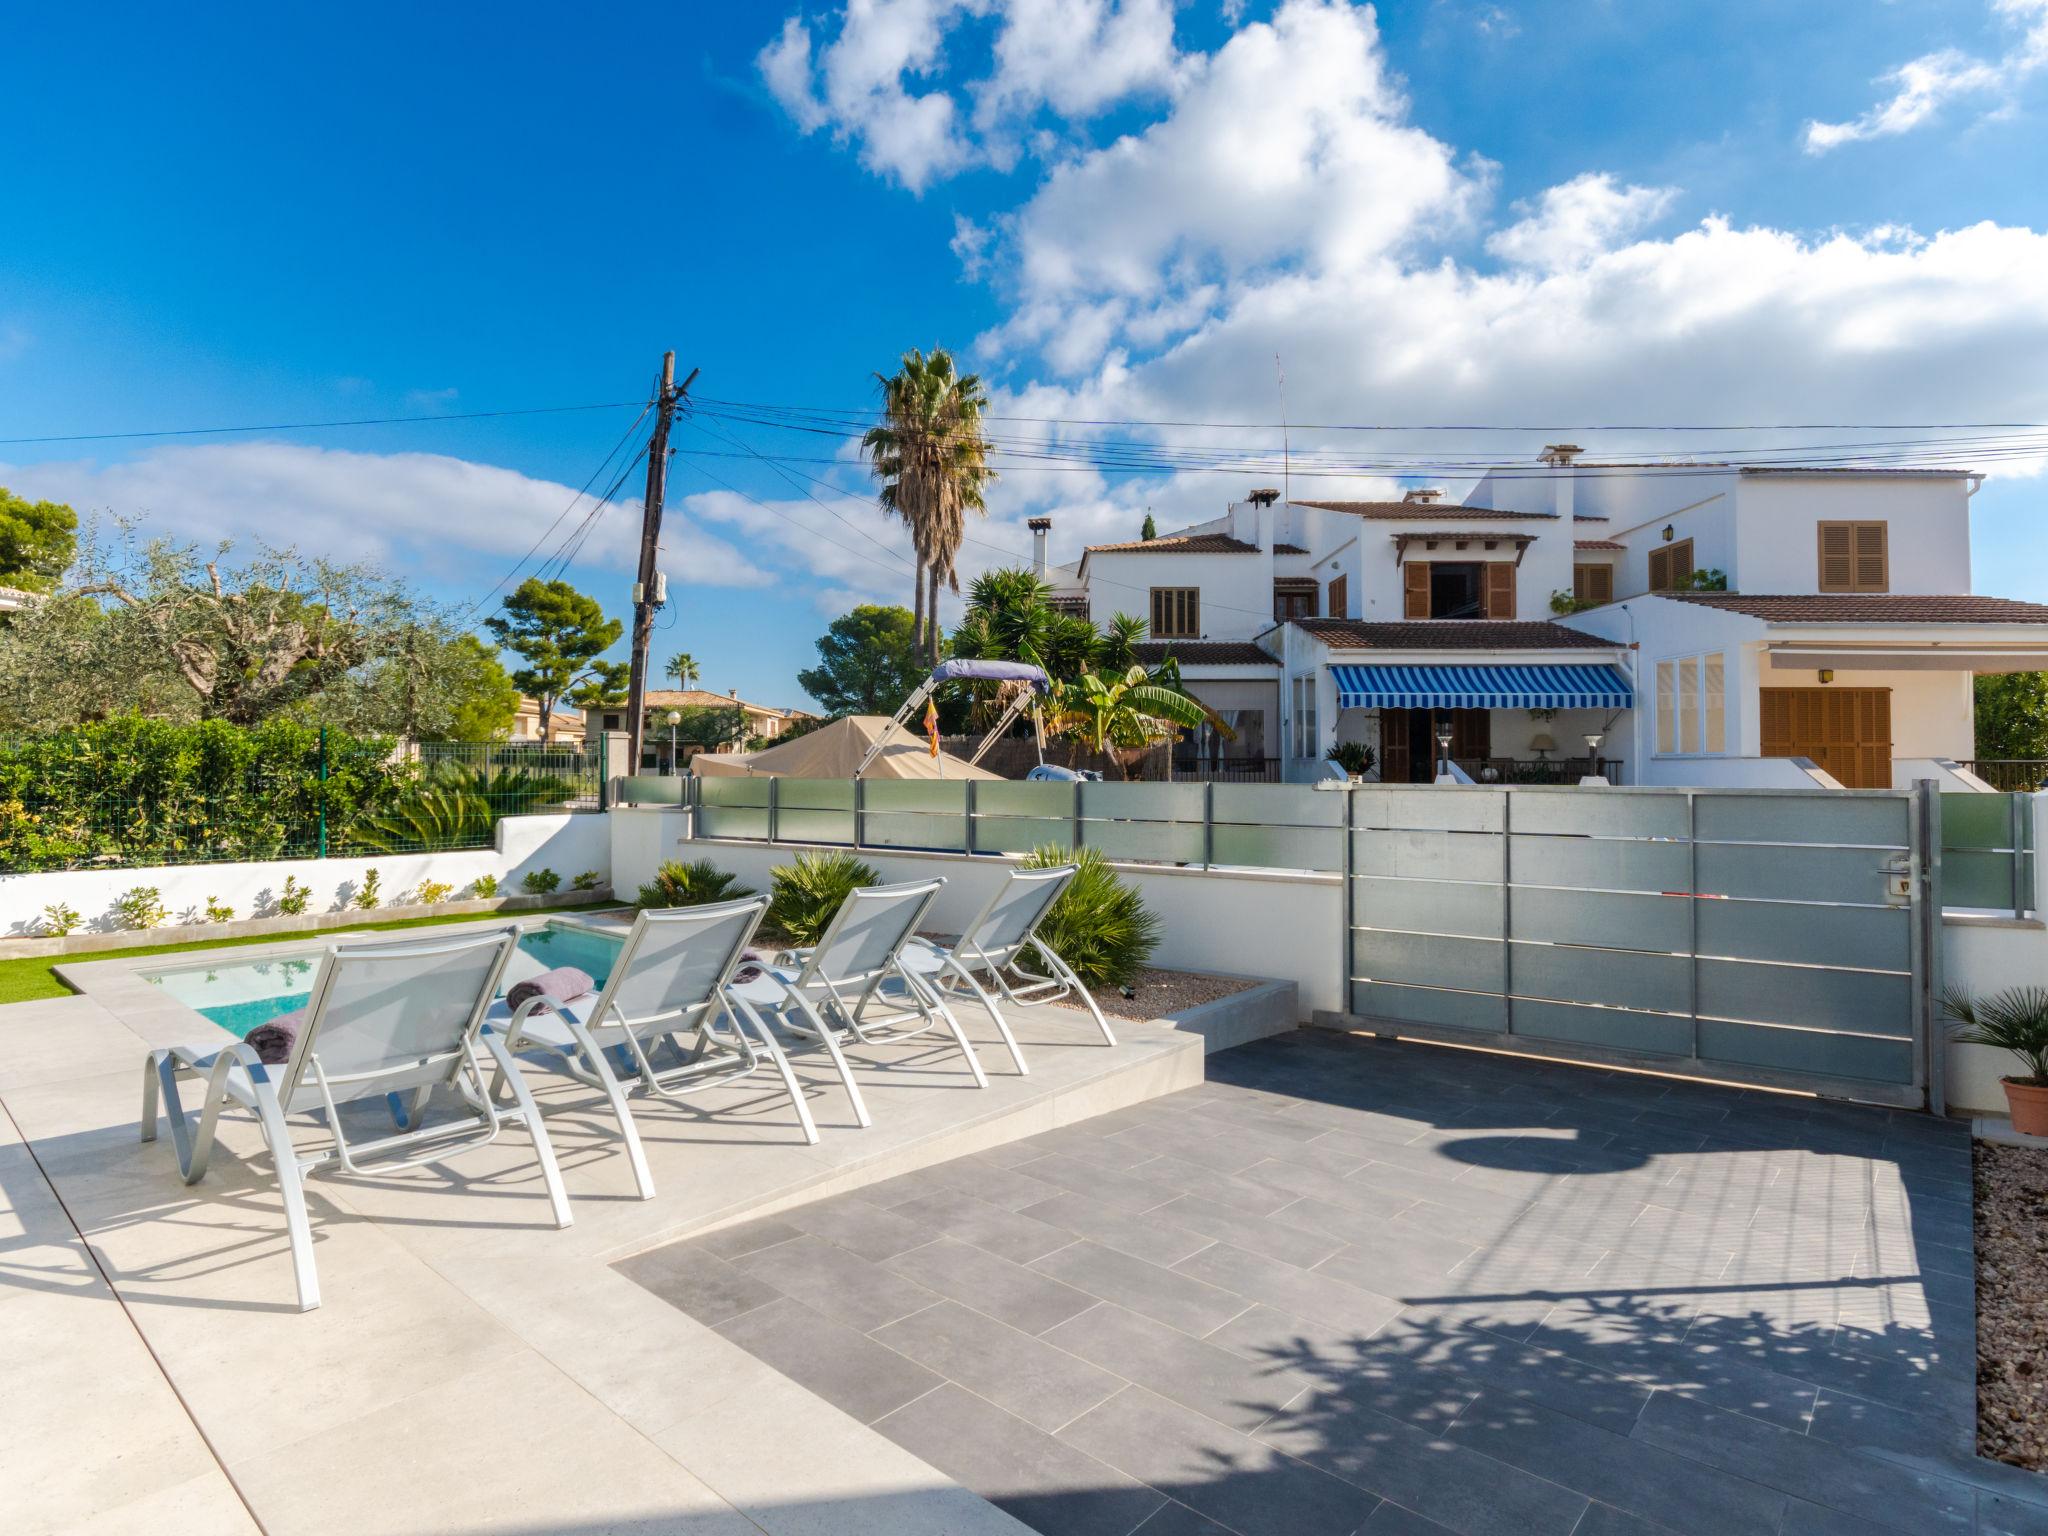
column 1286, row 451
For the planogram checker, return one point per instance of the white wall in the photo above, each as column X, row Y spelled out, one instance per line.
column 567, row 844
column 1928, row 533
column 1933, row 713
column 1237, row 590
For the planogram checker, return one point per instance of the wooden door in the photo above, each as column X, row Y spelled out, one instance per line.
column 1394, row 760
column 1415, row 590
column 1471, row 735
column 1847, row 731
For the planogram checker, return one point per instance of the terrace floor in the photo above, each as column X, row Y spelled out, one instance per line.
column 1340, row 1285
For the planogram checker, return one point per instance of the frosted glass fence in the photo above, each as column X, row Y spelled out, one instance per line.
column 1987, row 852
column 1260, row 826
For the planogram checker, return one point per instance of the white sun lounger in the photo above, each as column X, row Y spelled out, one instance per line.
column 673, row 975
column 994, row 945
column 392, row 1021
column 826, row 992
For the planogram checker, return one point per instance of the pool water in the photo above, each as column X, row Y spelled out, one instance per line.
column 240, row 996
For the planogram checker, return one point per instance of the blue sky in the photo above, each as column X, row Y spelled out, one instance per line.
column 1569, row 215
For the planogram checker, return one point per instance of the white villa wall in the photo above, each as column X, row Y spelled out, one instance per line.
column 568, row 844
column 1375, row 581
column 1237, row 590
column 1928, row 534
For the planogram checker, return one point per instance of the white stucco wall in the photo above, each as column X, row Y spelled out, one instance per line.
column 567, row 844
column 1928, row 532
column 1237, row 590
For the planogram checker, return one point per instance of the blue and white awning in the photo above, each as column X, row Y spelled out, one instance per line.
column 1581, row 685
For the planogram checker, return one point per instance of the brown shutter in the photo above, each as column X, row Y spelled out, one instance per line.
column 1340, row 597
column 1873, row 570
column 1660, row 570
column 1500, row 590
column 1601, row 588
column 1837, row 558
column 1415, row 590
column 1679, row 566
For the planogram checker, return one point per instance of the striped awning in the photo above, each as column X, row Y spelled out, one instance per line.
column 1567, row 686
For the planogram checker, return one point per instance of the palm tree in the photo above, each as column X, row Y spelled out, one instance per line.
column 683, row 668
column 932, row 460
column 1126, row 714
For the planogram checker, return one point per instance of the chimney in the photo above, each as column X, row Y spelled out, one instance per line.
column 1040, row 527
column 1263, row 498
column 1559, row 457
column 1423, row 496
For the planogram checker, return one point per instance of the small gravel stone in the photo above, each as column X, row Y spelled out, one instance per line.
column 2012, row 1304
column 1159, row 993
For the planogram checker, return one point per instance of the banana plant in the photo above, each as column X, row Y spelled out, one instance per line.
column 1125, row 715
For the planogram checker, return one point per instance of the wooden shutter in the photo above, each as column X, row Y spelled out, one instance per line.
column 1873, row 568
column 1415, row 590
column 1671, row 567
column 1394, row 759
column 1500, row 590
column 1837, row 558
column 1846, row 731
column 1593, row 583
column 1660, row 566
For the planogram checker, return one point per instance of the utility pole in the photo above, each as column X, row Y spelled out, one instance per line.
column 648, row 591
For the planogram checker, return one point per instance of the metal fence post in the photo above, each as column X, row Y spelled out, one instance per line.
column 1345, row 864
column 1077, row 816
column 2016, row 840
column 1209, row 824
column 967, row 833
column 1925, row 862
column 860, row 812
column 323, row 793
column 1507, row 910
column 774, row 808
column 1692, row 916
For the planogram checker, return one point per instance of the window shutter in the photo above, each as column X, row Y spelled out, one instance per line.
column 1678, row 566
column 1660, row 570
column 1500, row 590
column 1415, row 590
column 1602, row 585
column 1837, row 557
column 1340, row 597
column 1872, row 568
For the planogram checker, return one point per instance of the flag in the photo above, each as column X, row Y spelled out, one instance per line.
column 931, row 725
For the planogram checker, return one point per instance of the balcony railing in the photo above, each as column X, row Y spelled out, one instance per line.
column 2021, row 775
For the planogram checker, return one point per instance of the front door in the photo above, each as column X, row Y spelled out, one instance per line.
column 1847, row 731
column 1408, row 749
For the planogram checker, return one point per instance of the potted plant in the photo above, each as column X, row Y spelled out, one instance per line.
column 2014, row 1020
column 1354, row 757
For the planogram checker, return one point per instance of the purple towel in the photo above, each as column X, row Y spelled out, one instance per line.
column 559, row 985
column 752, row 967
column 272, row 1039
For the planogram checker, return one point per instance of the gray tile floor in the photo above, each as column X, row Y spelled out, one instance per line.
column 1349, row 1286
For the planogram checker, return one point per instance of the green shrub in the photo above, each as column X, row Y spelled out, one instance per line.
column 291, row 901
column 1354, row 757
column 141, row 906
column 676, row 884
column 485, row 886
column 367, row 893
column 539, row 882
column 589, row 880
column 218, row 911
column 433, row 892
column 454, row 806
column 807, row 895
column 1100, row 926
column 2014, row 1020
column 58, row 919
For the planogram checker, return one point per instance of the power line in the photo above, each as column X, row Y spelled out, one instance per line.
column 778, row 512
column 889, row 550
column 311, row 426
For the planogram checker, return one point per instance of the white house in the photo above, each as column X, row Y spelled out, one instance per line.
column 1554, row 619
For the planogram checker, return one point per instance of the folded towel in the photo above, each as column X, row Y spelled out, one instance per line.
column 559, row 986
column 272, row 1039
column 752, row 967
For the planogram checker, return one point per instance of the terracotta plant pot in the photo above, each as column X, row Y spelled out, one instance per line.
column 2027, row 1098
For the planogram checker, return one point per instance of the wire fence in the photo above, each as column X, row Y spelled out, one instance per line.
column 75, row 808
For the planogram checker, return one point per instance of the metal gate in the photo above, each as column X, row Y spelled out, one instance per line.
column 1780, row 938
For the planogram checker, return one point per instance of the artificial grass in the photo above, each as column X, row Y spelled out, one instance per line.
column 27, row 979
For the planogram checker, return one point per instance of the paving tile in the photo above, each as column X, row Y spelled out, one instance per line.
column 997, row 1183
column 1150, row 1236
column 1169, row 1296
column 1038, row 1382
column 861, row 1227
column 1279, row 1240
column 838, row 1283
column 1606, row 1520
column 1249, row 1191
column 1419, row 1265
column 1642, row 1479
column 1390, row 1519
column 1998, row 1515
column 967, row 1219
column 1225, row 1386
column 851, row 1371
column 745, row 1237
column 687, row 1276
column 1130, row 1191
column 1237, row 1481
column 1813, row 1470
column 1048, row 1484
column 1313, row 1294
column 1024, row 1298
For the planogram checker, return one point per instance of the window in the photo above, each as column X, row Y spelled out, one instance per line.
column 1305, row 737
column 1854, row 558
column 1593, row 583
column 1340, row 597
column 1294, row 600
column 1176, row 613
column 1671, row 567
column 1692, row 705
column 611, row 722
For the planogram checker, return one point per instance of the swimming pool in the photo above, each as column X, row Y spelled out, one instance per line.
column 240, row 995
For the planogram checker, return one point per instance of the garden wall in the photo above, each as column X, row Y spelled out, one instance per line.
column 567, row 843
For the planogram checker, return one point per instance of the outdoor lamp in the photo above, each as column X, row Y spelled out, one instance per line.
column 1443, row 740
column 674, row 719
column 1593, row 740
column 1667, row 533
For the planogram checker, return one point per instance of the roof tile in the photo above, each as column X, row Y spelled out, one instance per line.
column 1205, row 653
column 1869, row 607
column 1397, row 511
column 1180, row 544
column 1452, row 635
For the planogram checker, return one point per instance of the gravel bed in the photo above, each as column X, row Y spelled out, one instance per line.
column 2012, row 1304
column 1159, row 993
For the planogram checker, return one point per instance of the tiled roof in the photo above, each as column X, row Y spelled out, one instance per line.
column 1869, row 607
column 1181, row 544
column 1496, row 535
column 1452, row 635
column 1204, row 653
column 704, row 698
column 1296, row 583
column 1395, row 511
column 1289, row 549
column 1598, row 544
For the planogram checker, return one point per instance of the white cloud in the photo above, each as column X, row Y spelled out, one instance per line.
column 1573, row 223
column 425, row 515
column 1923, row 86
column 871, row 84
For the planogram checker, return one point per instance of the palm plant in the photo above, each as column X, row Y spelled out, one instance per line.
column 807, row 895
column 1126, row 714
column 1116, row 648
column 683, row 670
column 697, row 884
column 2014, row 1020
column 1100, row 926
column 932, row 460
column 456, row 807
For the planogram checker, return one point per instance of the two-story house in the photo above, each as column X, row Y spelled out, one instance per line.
column 765, row 722
column 1843, row 633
